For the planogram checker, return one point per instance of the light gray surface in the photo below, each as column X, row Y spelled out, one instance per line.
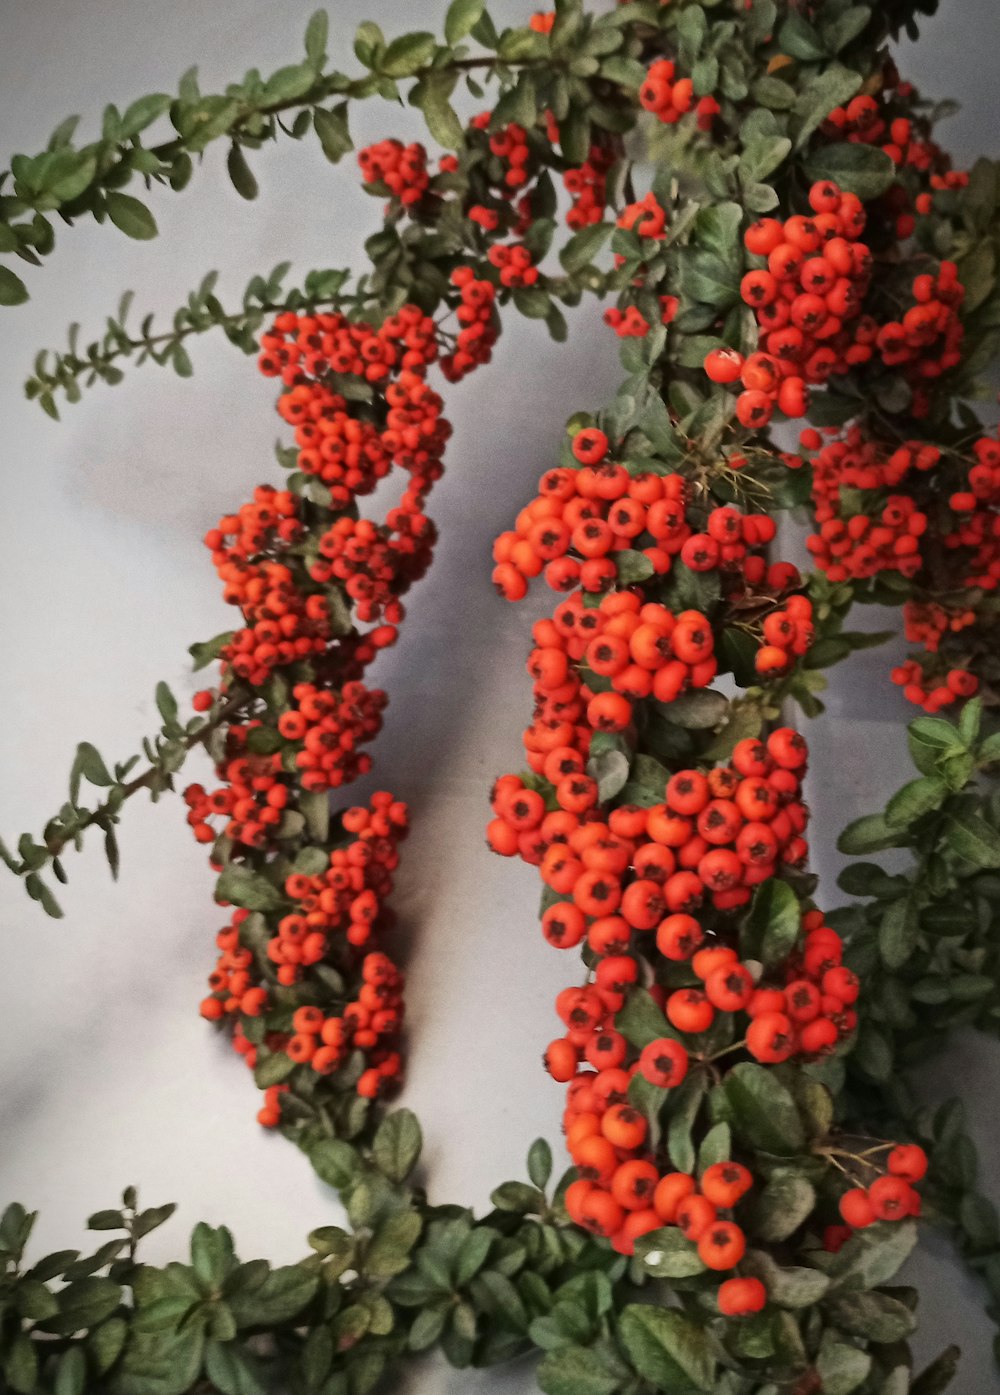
column 107, row 1074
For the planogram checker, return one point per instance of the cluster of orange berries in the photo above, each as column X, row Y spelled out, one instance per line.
column 317, row 736
column 335, row 915
column 401, row 168
column 252, row 799
column 891, row 1196
column 926, row 342
column 588, row 188
column 860, row 544
column 922, row 683
column 810, row 288
column 234, row 982
column 328, row 728
column 717, row 834
column 863, row 121
column 299, row 346
column 509, row 146
column 282, row 624
column 601, row 509
column 670, row 97
column 376, row 563
column 646, row 217
column 371, row 1023
column 480, row 326
column 515, row 265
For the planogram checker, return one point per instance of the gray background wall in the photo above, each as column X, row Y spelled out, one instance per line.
column 107, row 1074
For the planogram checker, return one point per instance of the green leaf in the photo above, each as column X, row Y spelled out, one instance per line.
column 144, row 112
column 914, row 800
column 699, row 709
column 389, row 1251
column 787, row 1200
column 106, row 1220
column 860, row 169
column 234, row 1371
column 668, row 1254
column 898, row 932
column 461, row 18
column 706, row 278
column 685, row 1104
column 431, row 96
column 397, row 1143
column 335, row 1162
column 77, row 174
column 873, row 1256
column 540, row 1162
column 841, row 1366
column 762, row 156
column 407, row 54
column 831, row 88
column 632, row 567
column 641, row 1021
column 20, row 1365
column 839, row 32
column 166, row 703
column 281, row 1297
column 972, row 838
column 240, row 173
column 667, row 1348
column 13, row 291
column 518, row 1197
column 574, row 1371
column 34, row 1300
column 772, row 927
column 764, row 1112
column 83, row 1303
column 130, row 216
column 868, row 834
column 799, row 39
column 243, row 887
column 583, row 247
column 611, row 771
column 788, row 1287
column 317, row 34
column 88, row 764
column 204, row 651
column 288, row 84
column 877, row 1316
column 332, row 130
column 71, row 1374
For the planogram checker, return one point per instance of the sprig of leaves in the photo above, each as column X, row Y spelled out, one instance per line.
column 79, row 367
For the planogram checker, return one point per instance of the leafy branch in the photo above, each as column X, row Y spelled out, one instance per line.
column 99, row 362
column 166, row 753
column 90, row 179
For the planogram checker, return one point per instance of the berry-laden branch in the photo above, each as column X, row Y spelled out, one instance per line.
column 721, row 1060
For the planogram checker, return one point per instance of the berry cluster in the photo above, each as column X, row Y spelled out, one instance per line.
column 875, row 531
column 335, row 915
column 892, row 1195
column 647, row 868
column 926, row 342
column 587, row 186
column 670, row 97
column 809, row 288
column 377, row 563
column 304, row 731
column 514, row 264
column 402, row 169
column 863, row 531
column 480, row 325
